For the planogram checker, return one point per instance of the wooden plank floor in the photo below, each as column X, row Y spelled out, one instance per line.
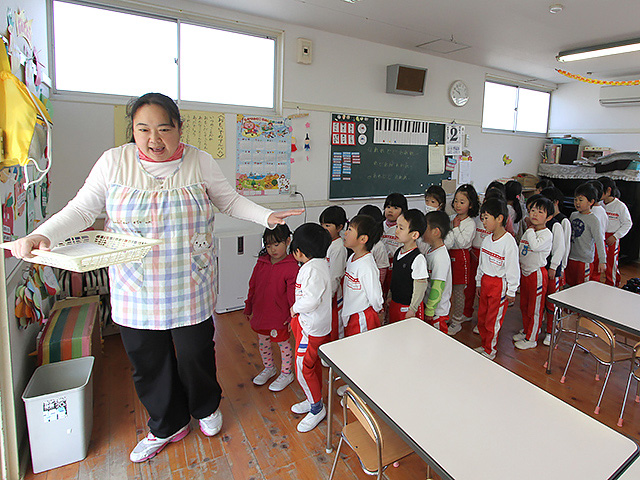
column 259, row 440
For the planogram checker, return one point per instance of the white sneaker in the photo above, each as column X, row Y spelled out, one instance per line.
column 454, row 328
column 466, row 319
column 525, row 344
column 519, row 336
column 282, row 381
column 302, row 407
column 490, row 356
column 264, row 376
column 212, row 424
column 150, row 445
column 340, row 391
column 475, row 330
column 547, row 340
column 311, row 421
column 479, row 349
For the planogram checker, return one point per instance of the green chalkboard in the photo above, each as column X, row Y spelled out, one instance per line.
column 372, row 157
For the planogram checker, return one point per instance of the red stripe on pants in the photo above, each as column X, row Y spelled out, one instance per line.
column 533, row 289
column 440, row 323
column 470, row 289
column 595, row 275
column 361, row 322
column 398, row 312
column 577, row 272
column 612, row 273
column 308, row 366
column 491, row 310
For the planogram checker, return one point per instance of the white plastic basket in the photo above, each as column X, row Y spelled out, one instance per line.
column 92, row 250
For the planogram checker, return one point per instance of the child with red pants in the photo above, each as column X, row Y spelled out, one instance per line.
column 498, row 275
column 311, row 318
column 379, row 251
column 458, row 242
column 409, row 280
column 535, row 247
column 618, row 225
column 598, row 210
column 394, row 205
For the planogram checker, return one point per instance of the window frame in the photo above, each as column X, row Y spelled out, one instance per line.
column 518, row 86
column 178, row 17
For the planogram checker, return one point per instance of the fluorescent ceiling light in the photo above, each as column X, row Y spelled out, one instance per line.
column 606, row 49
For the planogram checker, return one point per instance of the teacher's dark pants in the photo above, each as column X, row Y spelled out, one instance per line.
column 174, row 372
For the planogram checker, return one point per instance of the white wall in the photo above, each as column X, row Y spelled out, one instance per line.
column 347, row 75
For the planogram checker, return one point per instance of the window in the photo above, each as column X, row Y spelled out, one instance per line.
column 514, row 108
column 111, row 52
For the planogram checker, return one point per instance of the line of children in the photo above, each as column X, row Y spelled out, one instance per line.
column 618, row 225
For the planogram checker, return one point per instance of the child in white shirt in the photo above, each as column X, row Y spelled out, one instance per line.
column 379, row 251
column 311, row 318
column 598, row 210
column 618, row 225
column 438, row 296
column 333, row 219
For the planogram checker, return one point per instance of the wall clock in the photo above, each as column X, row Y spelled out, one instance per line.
column 459, row 93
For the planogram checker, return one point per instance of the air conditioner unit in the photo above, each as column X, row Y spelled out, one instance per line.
column 620, row 96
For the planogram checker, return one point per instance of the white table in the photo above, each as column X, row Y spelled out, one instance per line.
column 613, row 306
column 468, row 417
column 631, row 473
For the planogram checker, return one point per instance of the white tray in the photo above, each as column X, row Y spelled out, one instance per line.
column 92, row 250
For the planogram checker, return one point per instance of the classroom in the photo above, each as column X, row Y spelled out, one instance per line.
column 331, row 64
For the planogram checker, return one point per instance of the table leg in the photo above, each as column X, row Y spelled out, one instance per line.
column 329, row 447
column 556, row 322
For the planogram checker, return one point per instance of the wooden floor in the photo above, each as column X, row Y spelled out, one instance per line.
column 259, row 440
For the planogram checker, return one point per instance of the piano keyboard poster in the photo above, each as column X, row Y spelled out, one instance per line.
column 263, row 165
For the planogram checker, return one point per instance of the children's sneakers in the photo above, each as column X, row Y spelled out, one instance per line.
column 302, row 407
column 479, row 349
column 475, row 330
column 547, row 340
column 311, row 421
column 151, row 445
column 282, row 381
column 519, row 336
column 466, row 319
column 454, row 328
column 490, row 356
column 212, row 424
column 525, row 344
column 264, row 376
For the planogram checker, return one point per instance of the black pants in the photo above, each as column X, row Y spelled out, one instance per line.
column 174, row 372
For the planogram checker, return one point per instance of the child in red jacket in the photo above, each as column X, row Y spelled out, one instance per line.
column 271, row 295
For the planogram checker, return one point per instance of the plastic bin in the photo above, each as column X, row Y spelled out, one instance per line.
column 59, row 404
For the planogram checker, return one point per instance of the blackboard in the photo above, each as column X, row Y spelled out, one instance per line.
column 363, row 168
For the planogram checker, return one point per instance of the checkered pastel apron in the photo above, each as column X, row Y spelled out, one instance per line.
column 173, row 286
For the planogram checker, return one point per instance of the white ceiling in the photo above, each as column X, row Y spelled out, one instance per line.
column 519, row 36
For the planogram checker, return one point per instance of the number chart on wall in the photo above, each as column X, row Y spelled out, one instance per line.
column 374, row 156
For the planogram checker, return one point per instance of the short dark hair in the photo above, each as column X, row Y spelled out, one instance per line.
column 472, row 195
column 312, row 240
column 334, row 215
column 531, row 199
column 494, row 192
column 587, row 190
column 440, row 220
column 553, row 193
column 608, row 182
column 544, row 183
column 437, row 192
column 416, row 221
column 373, row 212
column 367, row 225
column 159, row 99
column 495, row 207
column 599, row 188
column 513, row 190
column 396, row 200
column 542, row 203
column 499, row 185
column 277, row 234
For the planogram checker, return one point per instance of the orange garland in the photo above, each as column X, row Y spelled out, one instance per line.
column 596, row 82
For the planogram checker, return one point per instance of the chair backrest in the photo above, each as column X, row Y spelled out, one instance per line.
column 364, row 415
column 599, row 329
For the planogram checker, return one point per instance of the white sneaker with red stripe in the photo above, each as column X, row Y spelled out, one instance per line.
column 151, row 445
column 212, row 424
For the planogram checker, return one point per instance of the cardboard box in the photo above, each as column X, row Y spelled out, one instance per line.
column 72, row 331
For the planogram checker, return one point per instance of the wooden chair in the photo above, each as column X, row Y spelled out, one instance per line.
column 373, row 441
column 634, row 372
column 601, row 346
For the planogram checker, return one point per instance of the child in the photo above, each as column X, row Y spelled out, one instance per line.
column 311, row 318
column 618, row 225
column 513, row 191
column 585, row 232
column 271, row 295
column 598, row 210
column 409, row 280
column 535, row 247
column 435, row 198
column 542, row 184
column 333, row 219
column 498, row 275
column 560, row 227
column 458, row 241
column 438, row 297
column 394, row 205
column 379, row 251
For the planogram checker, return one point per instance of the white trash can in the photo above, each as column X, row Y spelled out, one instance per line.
column 59, row 404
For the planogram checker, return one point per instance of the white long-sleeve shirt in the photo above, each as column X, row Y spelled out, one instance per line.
column 559, row 246
column 337, row 258
column 566, row 228
column 480, row 234
column 380, row 255
column 619, row 218
column 535, row 247
column 499, row 258
column 462, row 235
column 362, row 287
column 601, row 214
column 313, row 297
column 89, row 202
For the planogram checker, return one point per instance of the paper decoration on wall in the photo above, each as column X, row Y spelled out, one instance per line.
column 294, row 148
column 204, row 130
column 307, row 144
column 453, row 139
column 436, row 159
column 506, row 159
column 580, row 78
column 263, row 155
column 343, row 133
column 464, row 172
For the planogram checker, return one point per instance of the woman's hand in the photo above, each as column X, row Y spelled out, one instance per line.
column 22, row 247
column 277, row 218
